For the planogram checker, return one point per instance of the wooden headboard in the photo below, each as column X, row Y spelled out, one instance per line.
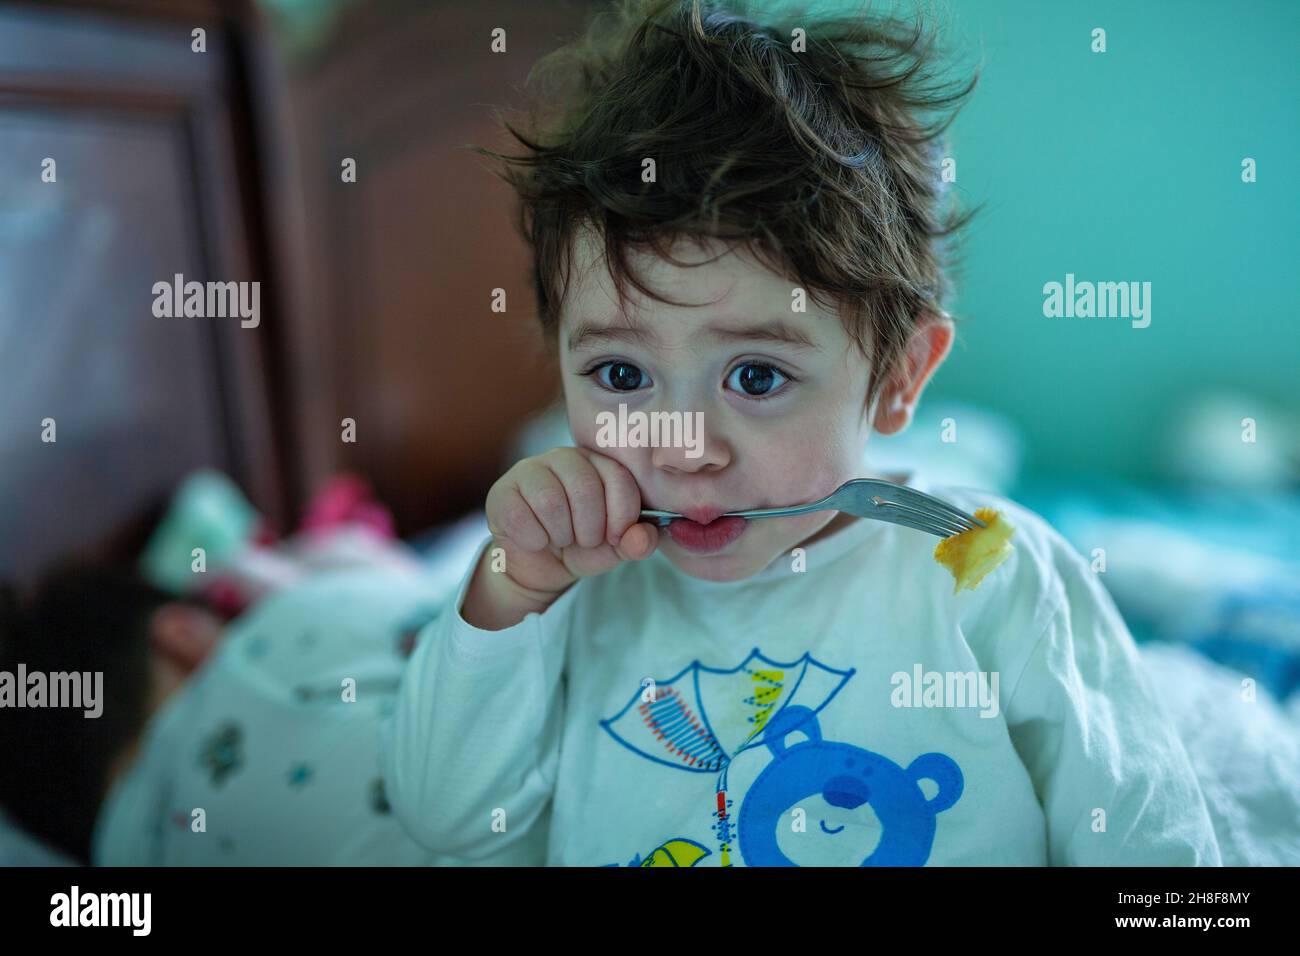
column 125, row 163
column 224, row 165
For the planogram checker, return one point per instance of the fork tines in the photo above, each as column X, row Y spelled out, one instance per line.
column 931, row 513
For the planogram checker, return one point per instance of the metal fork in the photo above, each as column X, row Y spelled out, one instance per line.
column 869, row 498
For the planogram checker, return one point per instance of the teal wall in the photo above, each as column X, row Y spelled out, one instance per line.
column 1126, row 165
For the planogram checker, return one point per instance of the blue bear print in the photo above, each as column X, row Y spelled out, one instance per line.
column 869, row 811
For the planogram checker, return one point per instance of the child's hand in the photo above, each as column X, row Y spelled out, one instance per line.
column 559, row 516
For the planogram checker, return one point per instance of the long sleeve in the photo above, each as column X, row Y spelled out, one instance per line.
column 1099, row 747
column 471, row 752
column 129, row 829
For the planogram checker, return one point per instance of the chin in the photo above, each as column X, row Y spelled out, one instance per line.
column 753, row 552
column 715, row 567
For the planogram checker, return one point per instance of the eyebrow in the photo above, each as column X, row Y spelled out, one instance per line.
column 587, row 334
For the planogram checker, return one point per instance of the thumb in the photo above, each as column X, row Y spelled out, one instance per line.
column 638, row 542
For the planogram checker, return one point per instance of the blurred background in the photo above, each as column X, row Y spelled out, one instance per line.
column 1117, row 166
column 1168, row 455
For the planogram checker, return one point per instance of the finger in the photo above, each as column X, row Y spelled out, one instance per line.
column 622, row 496
column 509, row 516
column 586, row 562
column 639, row 541
column 545, row 495
column 586, row 493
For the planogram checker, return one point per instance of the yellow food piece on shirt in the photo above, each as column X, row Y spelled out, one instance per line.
column 974, row 553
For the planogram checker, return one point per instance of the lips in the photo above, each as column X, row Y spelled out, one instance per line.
column 702, row 515
column 708, row 536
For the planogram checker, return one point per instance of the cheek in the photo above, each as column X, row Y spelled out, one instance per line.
column 581, row 412
column 808, row 460
column 582, row 425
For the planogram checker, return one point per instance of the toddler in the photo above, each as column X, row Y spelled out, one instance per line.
column 743, row 218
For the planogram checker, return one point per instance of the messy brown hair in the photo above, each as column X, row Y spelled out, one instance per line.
column 823, row 162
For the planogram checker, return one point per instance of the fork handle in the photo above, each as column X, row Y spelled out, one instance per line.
column 660, row 518
column 779, row 512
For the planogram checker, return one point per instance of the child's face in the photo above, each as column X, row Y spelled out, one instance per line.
column 784, row 422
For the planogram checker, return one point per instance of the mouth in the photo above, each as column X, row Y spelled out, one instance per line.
column 703, row 530
column 702, row 515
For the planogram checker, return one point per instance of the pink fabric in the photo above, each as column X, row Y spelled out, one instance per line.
column 347, row 499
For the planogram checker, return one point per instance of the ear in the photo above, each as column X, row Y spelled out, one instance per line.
column 183, row 634
column 927, row 347
column 795, row 718
column 943, row 770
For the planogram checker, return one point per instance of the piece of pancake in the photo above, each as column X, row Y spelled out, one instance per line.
column 973, row 554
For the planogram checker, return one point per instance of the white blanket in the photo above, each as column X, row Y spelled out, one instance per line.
column 1245, row 753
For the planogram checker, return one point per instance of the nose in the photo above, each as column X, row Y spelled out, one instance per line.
column 846, row 792
column 697, row 451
